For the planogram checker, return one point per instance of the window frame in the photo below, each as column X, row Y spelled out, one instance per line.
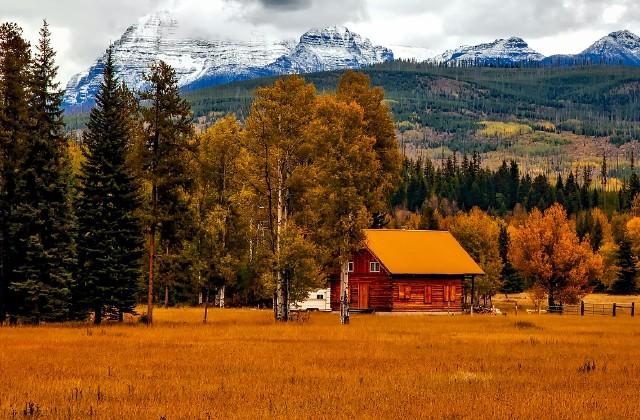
column 404, row 291
column 371, row 263
column 350, row 267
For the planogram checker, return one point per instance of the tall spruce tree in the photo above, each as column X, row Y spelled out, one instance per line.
column 626, row 284
column 42, row 220
column 511, row 281
column 164, row 165
column 14, row 122
column 110, row 235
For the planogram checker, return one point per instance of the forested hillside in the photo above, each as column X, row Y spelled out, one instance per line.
column 557, row 118
column 591, row 100
column 550, row 119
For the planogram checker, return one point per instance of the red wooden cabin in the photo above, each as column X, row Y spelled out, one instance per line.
column 407, row 270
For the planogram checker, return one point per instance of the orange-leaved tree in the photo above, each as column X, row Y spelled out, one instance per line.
column 547, row 252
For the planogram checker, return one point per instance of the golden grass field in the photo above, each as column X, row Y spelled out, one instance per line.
column 243, row 365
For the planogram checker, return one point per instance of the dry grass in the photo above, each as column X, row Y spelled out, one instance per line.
column 506, row 302
column 242, row 365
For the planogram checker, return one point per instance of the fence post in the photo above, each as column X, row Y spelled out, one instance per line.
column 633, row 308
column 582, row 308
column 614, row 309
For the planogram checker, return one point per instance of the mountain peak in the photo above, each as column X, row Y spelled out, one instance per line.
column 622, row 47
column 157, row 25
column 335, row 33
column 200, row 63
column 624, row 34
column 509, row 50
column 332, row 29
column 331, row 48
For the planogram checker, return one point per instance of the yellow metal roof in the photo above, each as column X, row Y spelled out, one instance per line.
column 420, row 252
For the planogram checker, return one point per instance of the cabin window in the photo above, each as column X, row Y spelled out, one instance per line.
column 374, row 267
column 320, row 297
column 427, row 295
column 350, row 267
column 404, row 292
column 449, row 293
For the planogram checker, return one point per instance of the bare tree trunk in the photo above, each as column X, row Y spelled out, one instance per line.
column 152, row 248
column 281, row 300
column 344, row 293
column 166, row 297
column 206, row 306
column 221, row 298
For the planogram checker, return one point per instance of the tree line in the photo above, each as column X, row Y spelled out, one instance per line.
column 461, row 184
column 145, row 209
column 556, row 239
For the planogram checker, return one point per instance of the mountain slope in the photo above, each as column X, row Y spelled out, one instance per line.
column 500, row 51
column 330, row 48
column 200, row 63
column 619, row 48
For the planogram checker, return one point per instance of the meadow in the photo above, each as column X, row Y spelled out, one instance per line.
column 243, row 365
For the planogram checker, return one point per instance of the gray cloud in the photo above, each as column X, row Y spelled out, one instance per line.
column 81, row 29
column 286, row 4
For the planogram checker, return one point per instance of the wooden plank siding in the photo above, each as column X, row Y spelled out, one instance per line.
column 398, row 293
column 417, row 298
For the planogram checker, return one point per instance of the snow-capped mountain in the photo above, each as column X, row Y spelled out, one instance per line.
column 200, row 63
column 621, row 47
column 502, row 51
column 330, row 48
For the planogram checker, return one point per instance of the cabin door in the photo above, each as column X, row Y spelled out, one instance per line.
column 363, row 296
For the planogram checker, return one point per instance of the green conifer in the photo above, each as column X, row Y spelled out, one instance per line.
column 110, row 236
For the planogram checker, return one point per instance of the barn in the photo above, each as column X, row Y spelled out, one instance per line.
column 407, row 270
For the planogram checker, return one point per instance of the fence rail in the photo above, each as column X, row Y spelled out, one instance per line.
column 609, row 309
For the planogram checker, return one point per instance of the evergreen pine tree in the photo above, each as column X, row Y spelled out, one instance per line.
column 559, row 192
column 167, row 121
column 43, row 218
column 110, row 236
column 571, row 194
column 511, row 281
column 524, row 190
column 626, row 282
column 14, row 122
column 514, row 184
column 585, row 197
column 540, row 195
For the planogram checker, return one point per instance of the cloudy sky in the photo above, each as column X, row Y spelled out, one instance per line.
column 83, row 28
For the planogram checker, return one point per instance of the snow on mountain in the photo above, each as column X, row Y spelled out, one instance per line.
column 621, row 46
column 511, row 50
column 200, row 63
column 330, row 48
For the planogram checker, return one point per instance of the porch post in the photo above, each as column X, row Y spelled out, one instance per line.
column 473, row 291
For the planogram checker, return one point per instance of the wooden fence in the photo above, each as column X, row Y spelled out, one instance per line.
column 609, row 309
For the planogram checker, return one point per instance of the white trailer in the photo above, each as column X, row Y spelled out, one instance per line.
column 317, row 300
